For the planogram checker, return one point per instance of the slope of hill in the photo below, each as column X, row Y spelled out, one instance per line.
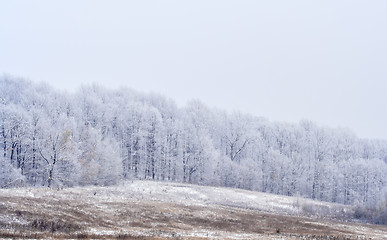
column 161, row 210
column 98, row 136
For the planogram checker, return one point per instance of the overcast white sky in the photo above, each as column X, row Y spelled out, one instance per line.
column 284, row 60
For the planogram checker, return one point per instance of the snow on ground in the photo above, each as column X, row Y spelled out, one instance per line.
column 154, row 210
column 229, row 197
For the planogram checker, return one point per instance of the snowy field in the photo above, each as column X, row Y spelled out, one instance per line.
column 161, row 210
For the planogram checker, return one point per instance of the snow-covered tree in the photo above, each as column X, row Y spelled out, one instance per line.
column 9, row 175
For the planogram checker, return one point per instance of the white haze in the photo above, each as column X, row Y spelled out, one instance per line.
column 284, row 60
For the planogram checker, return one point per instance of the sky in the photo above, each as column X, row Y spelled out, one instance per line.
column 325, row 61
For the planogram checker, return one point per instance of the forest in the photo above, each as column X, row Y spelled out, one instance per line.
column 98, row 136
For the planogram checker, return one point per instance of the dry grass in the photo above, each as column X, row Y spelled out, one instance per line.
column 121, row 213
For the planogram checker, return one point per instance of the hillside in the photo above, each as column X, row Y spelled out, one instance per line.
column 98, row 136
column 162, row 210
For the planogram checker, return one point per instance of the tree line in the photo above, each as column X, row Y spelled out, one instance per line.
column 99, row 136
